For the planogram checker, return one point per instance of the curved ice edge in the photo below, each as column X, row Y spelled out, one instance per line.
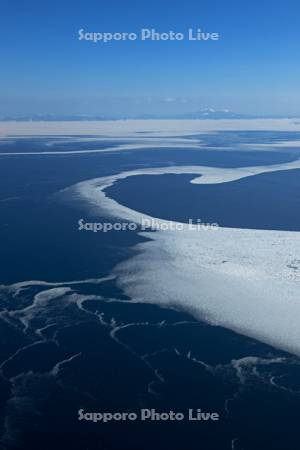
column 245, row 280
column 92, row 192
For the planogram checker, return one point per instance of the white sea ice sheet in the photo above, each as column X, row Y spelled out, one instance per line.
column 124, row 128
column 245, row 280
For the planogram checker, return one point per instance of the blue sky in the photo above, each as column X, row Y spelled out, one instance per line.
column 254, row 68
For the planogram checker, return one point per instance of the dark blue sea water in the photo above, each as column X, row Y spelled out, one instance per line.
column 120, row 355
column 269, row 201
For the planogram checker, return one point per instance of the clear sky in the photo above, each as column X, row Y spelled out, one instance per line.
column 253, row 68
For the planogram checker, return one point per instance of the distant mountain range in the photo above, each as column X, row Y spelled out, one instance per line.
column 204, row 114
column 210, row 113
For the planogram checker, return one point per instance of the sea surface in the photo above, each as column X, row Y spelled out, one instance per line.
column 71, row 339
